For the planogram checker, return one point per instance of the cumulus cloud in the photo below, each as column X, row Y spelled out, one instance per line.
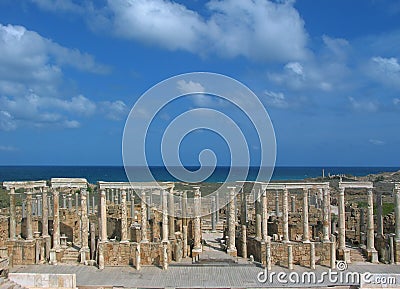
column 258, row 29
column 363, row 105
column 116, row 110
column 276, row 99
column 385, row 70
column 189, row 86
column 376, row 142
column 7, row 122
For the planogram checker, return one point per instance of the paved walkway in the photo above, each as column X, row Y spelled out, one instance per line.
column 235, row 276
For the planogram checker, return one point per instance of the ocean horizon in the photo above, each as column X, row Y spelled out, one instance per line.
column 117, row 173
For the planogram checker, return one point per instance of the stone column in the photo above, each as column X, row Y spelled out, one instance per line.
column 293, row 204
column 306, row 232
column 143, row 216
column 290, row 257
column 70, row 202
column 244, row 240
column 268, row 254
column 264, row 202
column 258, row 216
column 124, row 219
column 397, row 212
column 93, row 206
column 312, row 255
column 112, row 195
column 184, row 208
column 29, row 232
column 76, row 202
column 232, row 223
column 138, row 259
column 197, row 248
column 373, row 254
column 103, row 216
column 132, row 206
column 184, row 240
column 64, row 203
column 333, row 252
column 277, row 203
column 56, row 220
column 164, row 216
column 213, row 215
column 45, row 223
column 217, row 207
column 92, row 241
column 326, row 207
column 84, row 227
column 13, row 221
column 342, row 224
column 148, row 203
column 50, row 211
column 379, row 217
column 285, row 222
column 171, row 215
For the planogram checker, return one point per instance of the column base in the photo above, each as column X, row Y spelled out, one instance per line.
column 373, row 256
column 344, row 254
column 124, row 241
column 232, row 252
column 85, row 252
column 306, row 241
column 53, row 257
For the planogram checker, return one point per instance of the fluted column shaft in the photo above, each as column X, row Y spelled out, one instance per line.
column 397, row 212
column 326, row 214
column 103, row 216
column 264, row 202
column 45, row 214
column 370, row 220
column 342, row 221
column 258, row 216
column 84, row 220
column 29, row 232
column 124, row 218
column 164, row 216
column 197, row 220
column 285, row 216
column 13, row 221
column 56, row 220
column 171, row 214
column 232, row 220
column 143, row 212
column 306, row 232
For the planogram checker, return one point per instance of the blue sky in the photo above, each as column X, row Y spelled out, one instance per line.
column 328, row 72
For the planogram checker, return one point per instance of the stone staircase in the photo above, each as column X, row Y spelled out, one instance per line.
column 356, row 255
column 71, row 256
column 5, row 283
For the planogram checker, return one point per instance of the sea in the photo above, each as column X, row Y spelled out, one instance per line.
column 117, row 173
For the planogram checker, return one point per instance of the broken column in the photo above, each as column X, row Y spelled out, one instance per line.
column 285, row 222
column 13, row 221
column 197, row 248
column 306, row 233
column 143, row 216
column 232, row 223
column 124, row 219
column 372, row 253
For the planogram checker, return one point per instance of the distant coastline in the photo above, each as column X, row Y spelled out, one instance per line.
column 117, row 173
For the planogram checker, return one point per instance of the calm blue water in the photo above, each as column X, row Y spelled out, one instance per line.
column 115, row 173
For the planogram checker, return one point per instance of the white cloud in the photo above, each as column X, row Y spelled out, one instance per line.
column 7, row 122
column 294, row 67
column 276, row 99
column 59, row 5
column 396, row 101
column 259, row 29
column 189, row 86
column 7, row 148
column 116, row 110
column 376, row 142
column 366, row 105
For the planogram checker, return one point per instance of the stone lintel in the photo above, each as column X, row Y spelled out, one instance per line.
column 76, row 183
column 356, row 185
column 24, row 184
